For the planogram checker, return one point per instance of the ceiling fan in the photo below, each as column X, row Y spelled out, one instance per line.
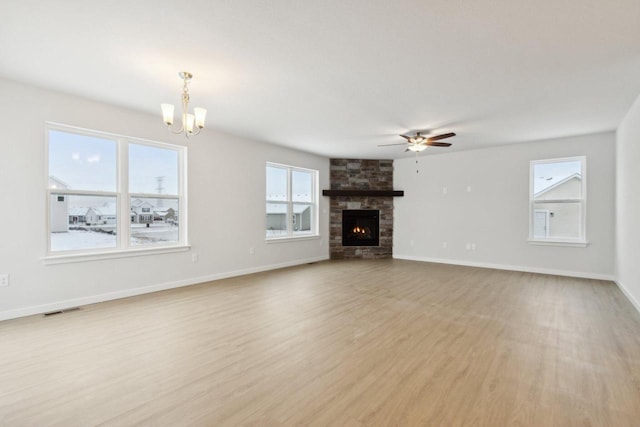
column 420, row 142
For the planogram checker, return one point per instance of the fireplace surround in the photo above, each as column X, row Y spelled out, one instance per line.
column 365, row 185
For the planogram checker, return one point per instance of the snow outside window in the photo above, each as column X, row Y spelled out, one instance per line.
column 291, row 201
column 112, row 193
column 557, row 200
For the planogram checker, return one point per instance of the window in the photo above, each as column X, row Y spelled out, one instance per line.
column 111, row 193
column 291, row 201
column 558, row 201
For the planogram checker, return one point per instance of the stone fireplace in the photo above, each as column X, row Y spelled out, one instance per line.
column 363, row 188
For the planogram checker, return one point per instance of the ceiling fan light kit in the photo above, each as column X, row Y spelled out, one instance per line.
column 417, row 147
column 192, row 124
column 420, row 142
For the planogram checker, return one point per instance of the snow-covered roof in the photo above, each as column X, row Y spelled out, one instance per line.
column 277, row 208
column 135, row 203
column 108, row 209
column 164, row 211
column 554, row 182
column 78, row 211
column 55, row 182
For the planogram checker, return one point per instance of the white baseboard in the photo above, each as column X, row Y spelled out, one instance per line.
column 62, row 305
column 568, row 273
column 630, row 297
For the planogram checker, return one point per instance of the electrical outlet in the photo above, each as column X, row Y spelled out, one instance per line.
column 252, row 251
column 195, row 257
column 444, row 190
column 468, row 189
column 444, row 245
column 473, row 246
column 4, row 280
column 468, row 246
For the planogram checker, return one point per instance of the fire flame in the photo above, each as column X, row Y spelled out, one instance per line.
column 359, row 230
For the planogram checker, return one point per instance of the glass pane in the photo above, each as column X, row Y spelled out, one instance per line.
column 154, row 221
column 557, row 180
column 82, row 222
column 557, row 220
column 302, row 215
column 277, row 219
column 276, row 183
column 301, row 186
column 81, row 162
column 152, row 170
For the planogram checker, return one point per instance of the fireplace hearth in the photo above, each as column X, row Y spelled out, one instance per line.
column 360, row 227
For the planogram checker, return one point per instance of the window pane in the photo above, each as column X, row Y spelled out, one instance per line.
column 302, row 215
column 277, row 220
column 81, row 162
column 301, row 186
column 152, row 170
column 82, row 222
column 154, row 221
column 557, row 180
column 276, row 183
column 557, row 220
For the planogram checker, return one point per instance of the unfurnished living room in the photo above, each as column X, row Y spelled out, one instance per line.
column 331, row 213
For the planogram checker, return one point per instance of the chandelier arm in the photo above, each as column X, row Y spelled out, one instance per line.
column 189, row 126
column 176, row 132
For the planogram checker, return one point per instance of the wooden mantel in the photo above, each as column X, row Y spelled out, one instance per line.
column 363, row 193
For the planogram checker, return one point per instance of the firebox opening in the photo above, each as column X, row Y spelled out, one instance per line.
column 360, row 227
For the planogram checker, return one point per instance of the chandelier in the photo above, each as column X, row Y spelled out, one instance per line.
column 192, row 124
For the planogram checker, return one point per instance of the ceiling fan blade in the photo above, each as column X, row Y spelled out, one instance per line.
column 439, row 137
column 406, row 150
column 408, row 138
column 438, row 144
column 388, row 145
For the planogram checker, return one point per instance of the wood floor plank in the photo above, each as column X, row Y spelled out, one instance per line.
column 349, row 343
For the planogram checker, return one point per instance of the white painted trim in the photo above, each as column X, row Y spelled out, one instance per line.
column 62, row 305
column 79, row 256
column 568, row 273
column 551, row 242
column 292, row 238
column 632, row 300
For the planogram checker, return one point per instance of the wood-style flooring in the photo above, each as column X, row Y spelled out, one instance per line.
column 340, row 343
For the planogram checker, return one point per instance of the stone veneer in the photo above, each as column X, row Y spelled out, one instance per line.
column 350, row 174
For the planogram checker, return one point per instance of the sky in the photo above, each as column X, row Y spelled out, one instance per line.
column 89, row 163
column 301, row 185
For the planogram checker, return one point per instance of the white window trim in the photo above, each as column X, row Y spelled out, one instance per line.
column 123, row 201
column 578, row 242
column 313, row 233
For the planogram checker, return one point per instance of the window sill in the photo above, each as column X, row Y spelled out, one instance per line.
column 569, row 243
column 292, row 238
column 121, row 253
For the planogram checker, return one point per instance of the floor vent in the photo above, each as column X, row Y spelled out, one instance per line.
column 53, row 313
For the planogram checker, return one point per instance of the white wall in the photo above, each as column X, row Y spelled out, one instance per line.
column 226, row 207
column 495, row 214
column 628, row 204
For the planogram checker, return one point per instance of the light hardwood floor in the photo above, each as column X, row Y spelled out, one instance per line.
column 342, row 343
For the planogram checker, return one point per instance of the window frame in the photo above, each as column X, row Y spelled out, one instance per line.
column 123, row 197
column 581, row 240
column 289, row 203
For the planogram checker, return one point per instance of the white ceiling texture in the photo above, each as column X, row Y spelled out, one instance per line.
column 340, row 77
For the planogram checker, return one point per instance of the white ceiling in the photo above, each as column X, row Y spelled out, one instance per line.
column 339, row 77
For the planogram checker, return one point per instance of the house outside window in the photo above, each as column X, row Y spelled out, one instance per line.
column 291, row 202
column 100, row 184
column 557, row 200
